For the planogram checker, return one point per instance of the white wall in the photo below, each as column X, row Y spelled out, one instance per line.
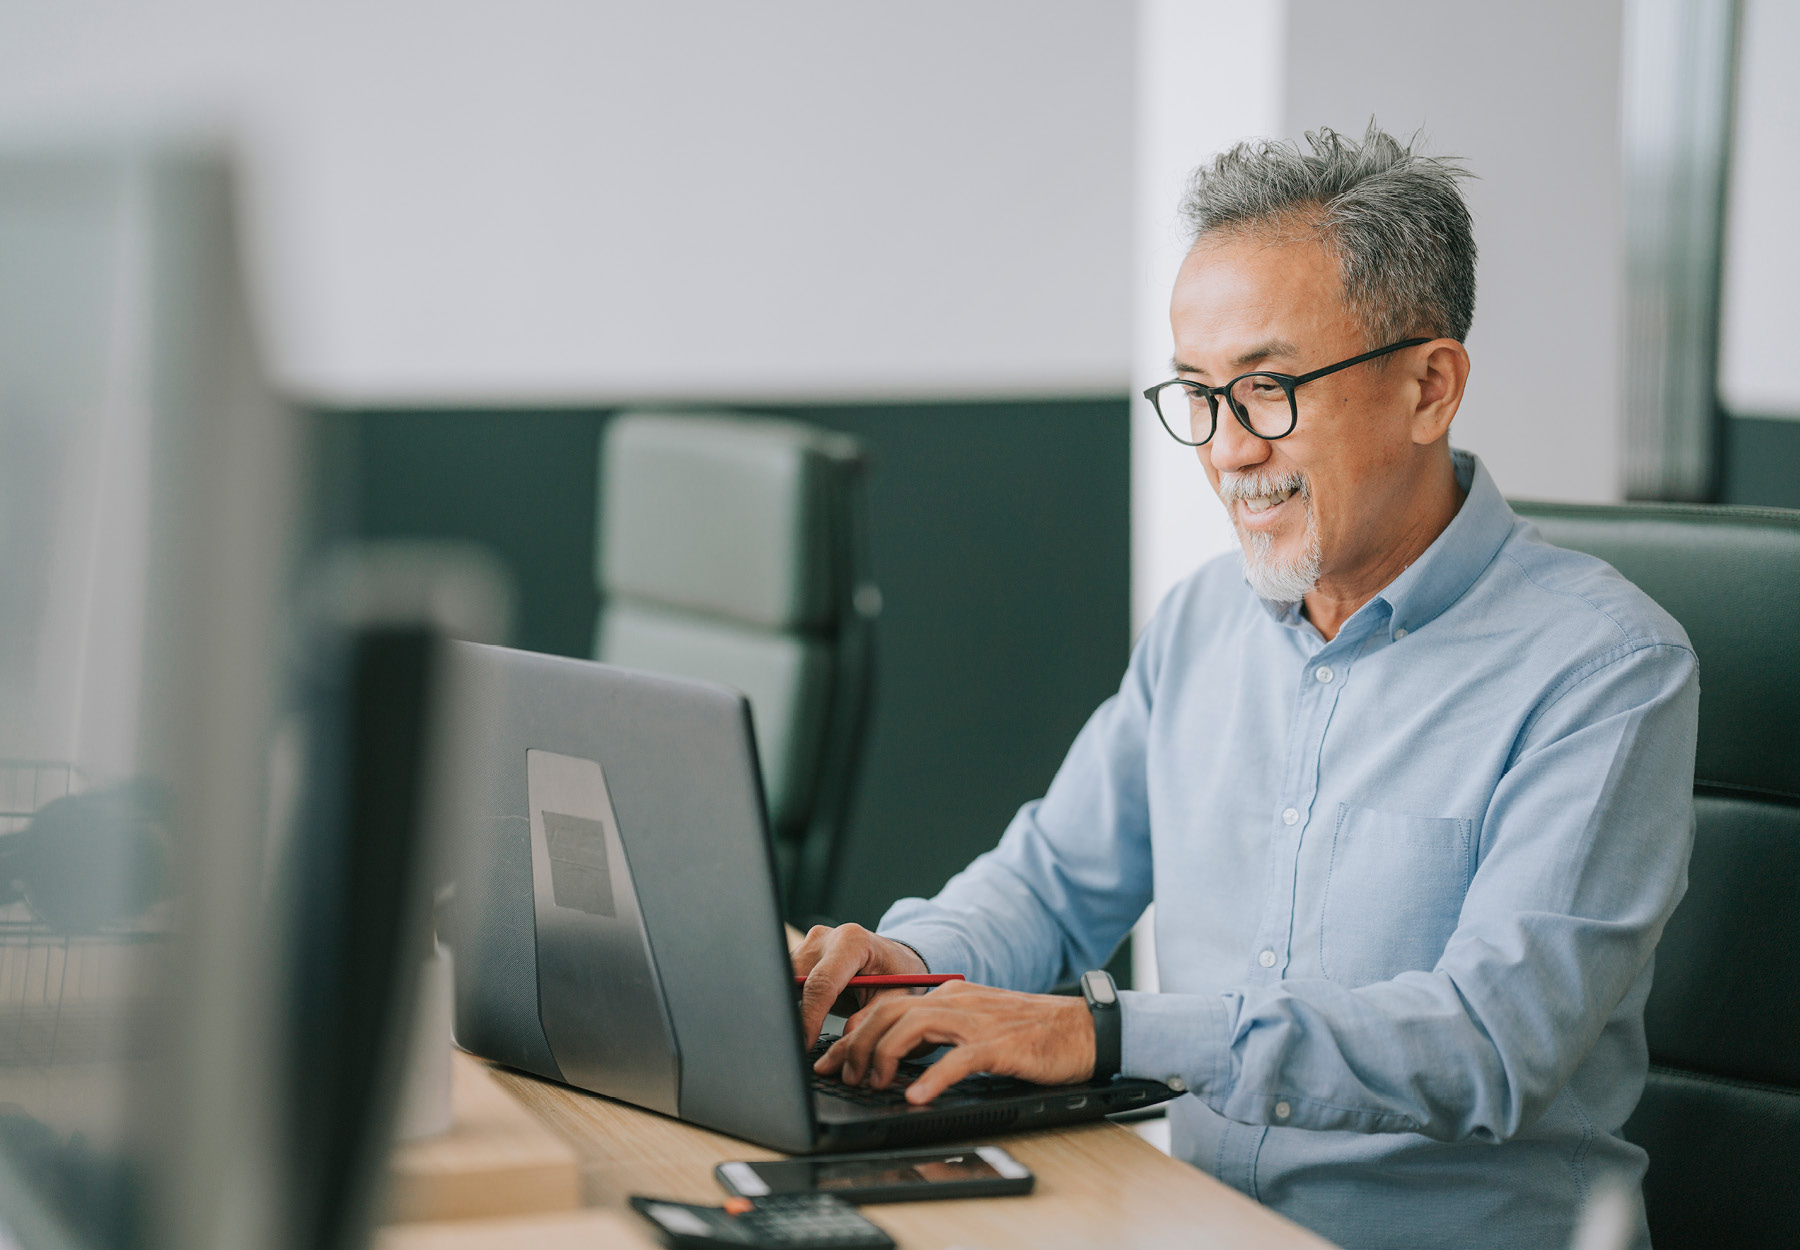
column 1528, row 94
column 537, row 201
column 1760, row 321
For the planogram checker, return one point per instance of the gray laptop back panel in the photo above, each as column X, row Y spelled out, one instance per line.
column 491, row 926
column 600, row 999
column 624, row 840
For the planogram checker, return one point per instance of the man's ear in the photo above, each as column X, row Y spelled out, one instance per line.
column 1442, row 376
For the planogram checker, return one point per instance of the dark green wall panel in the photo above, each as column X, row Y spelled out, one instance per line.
column 999, row 536
column 1762, row 462
column 519, row 482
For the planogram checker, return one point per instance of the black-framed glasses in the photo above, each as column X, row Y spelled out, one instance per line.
column 1262, row 402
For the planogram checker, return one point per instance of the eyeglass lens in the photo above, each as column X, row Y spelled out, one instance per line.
column 1261, row 402
column 1264, row 404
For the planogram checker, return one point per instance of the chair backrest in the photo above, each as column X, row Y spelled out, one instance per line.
column 731, row 549
column 1721, row 1114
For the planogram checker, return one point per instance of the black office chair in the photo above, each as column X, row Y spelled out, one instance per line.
column 1721, row 1114
column 731, row 549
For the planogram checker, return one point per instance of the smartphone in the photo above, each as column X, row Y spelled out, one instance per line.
column 886, row 1176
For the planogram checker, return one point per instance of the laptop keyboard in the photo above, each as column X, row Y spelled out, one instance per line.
column 979, row 1085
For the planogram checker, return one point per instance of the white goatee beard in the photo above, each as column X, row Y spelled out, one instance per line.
column 1279, row 581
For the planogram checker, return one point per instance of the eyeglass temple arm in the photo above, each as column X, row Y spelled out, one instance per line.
column 1357, row 360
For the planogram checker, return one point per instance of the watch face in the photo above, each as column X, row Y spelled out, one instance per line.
column 1099, row 987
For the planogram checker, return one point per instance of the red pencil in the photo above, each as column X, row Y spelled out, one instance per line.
column 897, row 980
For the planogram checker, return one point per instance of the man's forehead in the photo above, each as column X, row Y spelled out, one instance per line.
column 1243, row 300
column 1258, row 269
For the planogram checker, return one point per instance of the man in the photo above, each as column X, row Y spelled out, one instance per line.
column 1410, row 788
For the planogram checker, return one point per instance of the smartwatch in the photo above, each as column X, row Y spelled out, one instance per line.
column 1103, row 1004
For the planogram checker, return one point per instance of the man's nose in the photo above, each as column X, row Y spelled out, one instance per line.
column 1233, row 448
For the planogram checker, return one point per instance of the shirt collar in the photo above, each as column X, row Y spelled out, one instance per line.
column 1447, row 568
column 1457, row 557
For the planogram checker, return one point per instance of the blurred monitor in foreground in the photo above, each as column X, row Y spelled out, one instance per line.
column 156, row 945
column 146, row 487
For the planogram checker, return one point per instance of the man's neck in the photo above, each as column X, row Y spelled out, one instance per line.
column 1336, row 599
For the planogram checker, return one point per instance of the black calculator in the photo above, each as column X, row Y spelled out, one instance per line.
column 776, row 1222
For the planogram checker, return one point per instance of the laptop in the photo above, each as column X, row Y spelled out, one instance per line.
column 615, row 924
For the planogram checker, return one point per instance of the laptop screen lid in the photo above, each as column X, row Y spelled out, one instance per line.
column 615, row 923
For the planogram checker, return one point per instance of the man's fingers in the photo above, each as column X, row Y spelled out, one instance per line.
column 874, row 999
column 1034, row 1036
column 832, row 1061
column 829, row 957
column 823, row 985
column 811, row 947
column 923, row 1024
column 874, row 1050
column 953, row 1067
column 859, row 1042
column 845, row 951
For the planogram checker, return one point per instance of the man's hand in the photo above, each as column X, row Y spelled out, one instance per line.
column 1038, row 1037
column 828, row 958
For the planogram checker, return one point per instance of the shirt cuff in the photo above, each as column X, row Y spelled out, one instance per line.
column 1182, row 1040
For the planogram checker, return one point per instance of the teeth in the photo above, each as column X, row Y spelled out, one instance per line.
column 1262, row 503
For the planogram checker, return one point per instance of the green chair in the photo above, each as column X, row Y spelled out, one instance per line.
column 1721, row 1114
column 731, row 549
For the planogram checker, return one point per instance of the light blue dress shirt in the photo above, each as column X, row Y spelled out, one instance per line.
column 1408, row 882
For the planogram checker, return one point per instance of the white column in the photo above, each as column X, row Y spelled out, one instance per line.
column 1760, row 321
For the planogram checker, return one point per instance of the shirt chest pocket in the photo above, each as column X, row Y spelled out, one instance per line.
column 1393, row 892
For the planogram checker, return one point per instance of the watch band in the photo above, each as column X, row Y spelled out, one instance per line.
column 1103, row 1005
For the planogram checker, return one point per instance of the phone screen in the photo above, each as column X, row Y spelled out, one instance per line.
column 895, row 1174
column 870, row 1173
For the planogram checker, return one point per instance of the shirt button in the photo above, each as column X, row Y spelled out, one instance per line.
column 1290, row 817
column 1323, row 672
column 1282, row 1111
column 1266, row 959
column 1177, row 1084
column 1399, row 634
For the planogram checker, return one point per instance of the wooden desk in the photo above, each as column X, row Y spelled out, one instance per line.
column 497, row 1159
column 1097, row 1185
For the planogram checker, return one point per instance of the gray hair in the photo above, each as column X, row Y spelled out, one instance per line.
column 1395, row 220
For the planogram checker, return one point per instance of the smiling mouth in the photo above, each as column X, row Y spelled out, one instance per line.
column 1255, row 505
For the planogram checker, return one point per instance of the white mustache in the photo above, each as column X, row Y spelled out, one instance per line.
column 1237, row 487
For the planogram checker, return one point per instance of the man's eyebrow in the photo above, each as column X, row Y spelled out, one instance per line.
column 1266, row 351
column 1262, row 351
